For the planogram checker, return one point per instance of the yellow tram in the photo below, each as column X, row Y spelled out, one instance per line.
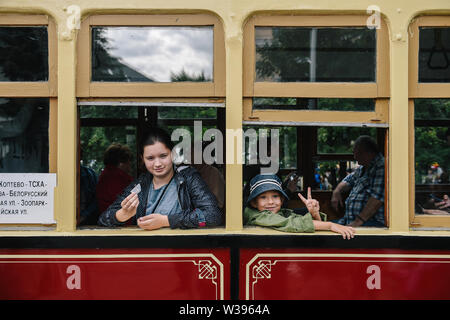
column 307, row 76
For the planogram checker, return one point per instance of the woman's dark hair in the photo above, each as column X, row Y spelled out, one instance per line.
column 154, row 134
column 117, row 153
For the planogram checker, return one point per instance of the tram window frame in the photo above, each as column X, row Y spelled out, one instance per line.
column 150, row 93
column 37, row 89
column 308, row 119
column 422, row 90
column 147, row 115
column 378, row 90
column 88, row 88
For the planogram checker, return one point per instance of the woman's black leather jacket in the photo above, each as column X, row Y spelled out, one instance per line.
column 198, row 203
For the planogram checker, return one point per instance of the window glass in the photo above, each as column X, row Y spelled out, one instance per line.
column 434, row 54
column 432, row 109
column 339, row 140
column 329, row 104
column 285, row 145
column 108, row 112
column 24, row 145
column 23, row 54
column 327, row 174
column 293, row 54
column 187, row 113
column 152, row 54
column 432, row 154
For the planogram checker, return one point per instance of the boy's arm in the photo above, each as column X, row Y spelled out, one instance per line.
column 346, row 231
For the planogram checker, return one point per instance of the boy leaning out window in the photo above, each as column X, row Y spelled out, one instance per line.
column 264, row 208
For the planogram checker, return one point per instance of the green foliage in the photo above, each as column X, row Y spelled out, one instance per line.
column 432, row 109
column 109, row 112
column 95, row 140
column 196, row 113
column 340, row 139
column 431, row 145
column 343, row 54
column 23, row 54
column 184, row 76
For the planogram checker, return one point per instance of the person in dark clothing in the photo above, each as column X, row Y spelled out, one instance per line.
column 88, row 203
column 163, row 196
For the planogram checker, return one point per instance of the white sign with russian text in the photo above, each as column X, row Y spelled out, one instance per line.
column 27, row 197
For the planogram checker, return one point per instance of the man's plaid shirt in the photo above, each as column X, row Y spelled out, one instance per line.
column 365, row 182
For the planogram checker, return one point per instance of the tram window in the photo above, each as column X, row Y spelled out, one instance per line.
column 332, row 104
column 434, row 54
column 24, row 138
column 102, row 124
column 432, row 155
column 293, row 54
column 23, row 54
column 152, row 54
column 321, row 157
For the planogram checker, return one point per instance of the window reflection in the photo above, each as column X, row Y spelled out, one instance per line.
column 328, row 104
column 432, row 155
column 23, row 54
column 152, row 54
column 340, row 140
column 434, row 54
column 24, row 135
column 291, row 54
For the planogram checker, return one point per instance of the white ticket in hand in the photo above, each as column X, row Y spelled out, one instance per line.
column 136, row 189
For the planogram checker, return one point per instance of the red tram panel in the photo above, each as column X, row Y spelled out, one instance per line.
column 115, row 274
column 339, row 275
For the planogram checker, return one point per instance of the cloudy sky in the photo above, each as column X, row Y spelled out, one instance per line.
column 158, row 51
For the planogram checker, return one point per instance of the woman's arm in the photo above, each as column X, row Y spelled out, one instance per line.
column 118, row 213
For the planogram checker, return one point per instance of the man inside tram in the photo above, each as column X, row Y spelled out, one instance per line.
column 364, row 205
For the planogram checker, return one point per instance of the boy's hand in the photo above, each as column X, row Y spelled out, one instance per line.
column 346, row 231
column 311, row 204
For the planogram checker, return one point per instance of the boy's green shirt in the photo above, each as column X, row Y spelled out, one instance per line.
column 285, row 220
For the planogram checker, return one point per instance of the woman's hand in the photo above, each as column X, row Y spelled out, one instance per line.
column 346, row 231
column 153, row 221
column 129, row 206
column 312, row 205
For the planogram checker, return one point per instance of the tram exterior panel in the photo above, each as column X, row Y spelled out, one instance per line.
column 408, row 259
column 218, row 267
